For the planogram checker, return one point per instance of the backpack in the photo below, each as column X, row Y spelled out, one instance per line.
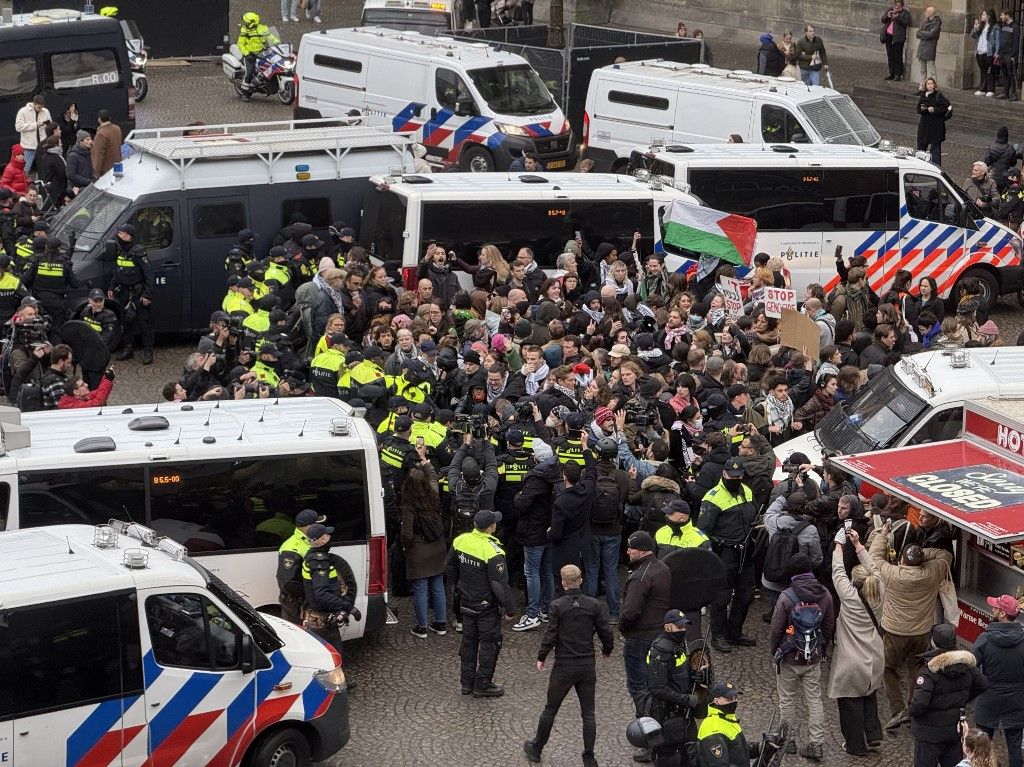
column 857, row 307
column 30, row 398
column 781, row 548
column 803, row 634
column 605, row 508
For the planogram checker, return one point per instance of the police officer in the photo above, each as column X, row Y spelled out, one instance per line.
column 727, row 514
column 679, row 532
column 513, row 466
column 476, row 565
column 132, row 287
column 720, row 740
column 11, row 291
column 289, row 565
column 574, row 620
column 103, row 320
column 326, row 368
column 49, row 277
column 668, row 696
column 570, row 449
column 472, row 480
column 26, row 246
column 257, row 272
column 413, row 385
column 363, row 371
column 422, row 428
column 328, row 585
column 253, row 38
column 279, row 276
column 256, row 326
column 267, row 367
column 397, row 456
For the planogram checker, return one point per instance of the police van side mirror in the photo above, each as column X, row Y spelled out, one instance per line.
column 110, row 250
column 248, row 655
column 465, row 109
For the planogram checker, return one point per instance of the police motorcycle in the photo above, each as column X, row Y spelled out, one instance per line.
column 137, row 54
column 275, row 66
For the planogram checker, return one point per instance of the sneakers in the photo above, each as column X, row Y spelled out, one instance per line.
column 309, row 13
column 490, row 691
column 438, row 628
column 294, row 18
column 990, row 94
column 526, row 623
column 979, row 93
column 896, row 721
column 467, row 690
column 419, row 631
column 851, row 753
column 812, row 751
column 458, row 627
column 284, row 19
column 316, row 20
column 544, row 618
column 531, row 752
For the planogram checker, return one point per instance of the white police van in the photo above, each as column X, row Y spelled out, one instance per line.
column 638, row 101
column 430, row 17
column 117, row 648
column 510, row 210
column 223, row 479
column 469, row 104
column 889, row 205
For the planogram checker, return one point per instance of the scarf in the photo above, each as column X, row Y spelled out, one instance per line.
column 827, row 368
column 570, row 393
column 674, row 336
column 536, row 378
column 492, row 393
column 403, row 357
column 321, row 283
column 778, row 413
column 595, row 314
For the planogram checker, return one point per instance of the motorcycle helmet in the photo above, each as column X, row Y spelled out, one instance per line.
column 250, row 20
column 606, row 447
column 644, row 732
column 109, row 11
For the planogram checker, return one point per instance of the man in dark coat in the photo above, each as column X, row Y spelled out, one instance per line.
column 770, row 60
column 949, row 681
column 1000, row 655
column 570, row 517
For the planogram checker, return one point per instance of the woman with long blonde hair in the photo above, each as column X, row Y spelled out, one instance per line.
column 491, row 258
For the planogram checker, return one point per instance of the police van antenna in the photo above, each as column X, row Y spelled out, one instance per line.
column 178, row 440
column 993, row 362
column 262, row 414
column 303, row 429
column 242, row 432
column 70, row 550
column 127, row 513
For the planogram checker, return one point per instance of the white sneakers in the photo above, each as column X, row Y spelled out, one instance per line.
column 990, row 94
column 284, row 19
column 979, row 93
column 295, row 18
column 526, row 623
column 316, row 20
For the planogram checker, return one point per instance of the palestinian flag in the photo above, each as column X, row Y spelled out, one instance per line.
column 712, row 232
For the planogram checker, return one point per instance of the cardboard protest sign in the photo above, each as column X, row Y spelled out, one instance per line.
column 798, row 331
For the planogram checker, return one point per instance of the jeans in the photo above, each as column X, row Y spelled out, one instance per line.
column 560, row 682
column 810, row 76
column 540, row 583
column 286, row 11
column 30, row 155
column 928, row 69
column 634, row 658
column 790, row 682
column 1013, row 739
column 314, row 7
column 985, row 69
column 434, row 588
column 858, row 721
column 604, row 557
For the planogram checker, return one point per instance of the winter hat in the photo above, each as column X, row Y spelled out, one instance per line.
column 479, row 347
column 324, row 264
column 471, row 357
column 943, row 636
column 603, row 415
column 1003, row 134
column 82, row 135
column 766, row 38
column 799, row 564
column 499, row 343
column 523, row 329
column 399, row 320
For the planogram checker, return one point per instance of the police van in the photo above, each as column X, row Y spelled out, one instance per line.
column 916, row 402
column 510, row 210
column 889, row 205
column 471, row 105
column 224, row 479
column 116, row 647
column 429, row 17
column 639, row 101
column 189, row 191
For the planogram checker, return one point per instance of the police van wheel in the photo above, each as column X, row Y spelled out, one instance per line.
column 989, row 288
column 476, row 159
column 286, row 95
column 284, row 748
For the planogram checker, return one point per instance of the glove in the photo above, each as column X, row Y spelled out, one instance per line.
column 692, row 701
column 109, row 374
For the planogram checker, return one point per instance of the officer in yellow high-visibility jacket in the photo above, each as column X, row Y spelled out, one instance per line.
column 253, row 38
column 720, row 740
column 327, row 368
column 237, row 301
column 289, row 566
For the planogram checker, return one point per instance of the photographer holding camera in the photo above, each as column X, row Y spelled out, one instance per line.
column 472, row 478
column 30, row 347
column 981, row 189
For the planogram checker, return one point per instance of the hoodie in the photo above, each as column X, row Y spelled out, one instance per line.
column 14, row 177
column 942, row 690
column 807, row 589
column 79, row 166
column 999, row 652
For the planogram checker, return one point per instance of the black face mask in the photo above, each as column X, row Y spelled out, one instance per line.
column 732, row 485
column 728, row 708
column 676, row 636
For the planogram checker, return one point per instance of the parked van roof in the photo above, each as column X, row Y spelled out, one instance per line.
column 118, row 435
column 252, row 153
column 471, row 54
column 52, row 23
column 46, row 564
column 991, row 372
column 472, row 185
column 767, row 154
column 740, row 80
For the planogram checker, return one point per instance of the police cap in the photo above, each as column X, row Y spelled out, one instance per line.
column 724, row 690
column 484, row 519
column 316, row 531
column 308, row 517
column 402, row 424
column 514, row 437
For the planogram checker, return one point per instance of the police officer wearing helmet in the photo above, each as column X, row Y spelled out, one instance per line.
column 132, row 287
column 472, row 480
column 476, row 565
column 50, row 276
column 667, row 695
column 329, row 587
column 720, row 740
column 253, row 39
column 289, row 565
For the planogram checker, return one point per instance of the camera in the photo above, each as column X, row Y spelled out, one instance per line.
column 235, row 325
column 34, row 332
column 985, row 197
column 475, row 425
column 524, row 408
column 638, row 411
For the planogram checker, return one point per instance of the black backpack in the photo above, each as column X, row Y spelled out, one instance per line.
column 606, row 506
column 30, row 398
column 781, row 548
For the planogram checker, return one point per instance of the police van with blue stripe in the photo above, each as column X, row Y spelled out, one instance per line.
column 472, row 106
column 117, row 648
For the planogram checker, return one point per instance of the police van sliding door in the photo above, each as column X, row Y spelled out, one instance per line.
column 158, row 229
column 214, row 223
column 861, row 216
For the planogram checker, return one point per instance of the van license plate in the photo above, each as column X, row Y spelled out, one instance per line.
column 556, row 164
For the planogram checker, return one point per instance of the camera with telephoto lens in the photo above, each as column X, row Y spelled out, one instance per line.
column 235, row 325
column 34, row 332
column 638, row 411
column 524, row 409
column 475, row 424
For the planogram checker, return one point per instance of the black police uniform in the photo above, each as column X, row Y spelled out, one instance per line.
column 574, row 619
column 329, row 586
column 476, row 565
column 513, row 465
column 668, row 697
column 11, row 292
column 50, row 276
column 133, row 281
column 103, row 322
column 397, row 456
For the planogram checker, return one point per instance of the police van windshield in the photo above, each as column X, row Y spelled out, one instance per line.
column 513, row 90
column 88, row 218
column 839, row 121
column 876, row 416
column 262, row 632
column 424, row 22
